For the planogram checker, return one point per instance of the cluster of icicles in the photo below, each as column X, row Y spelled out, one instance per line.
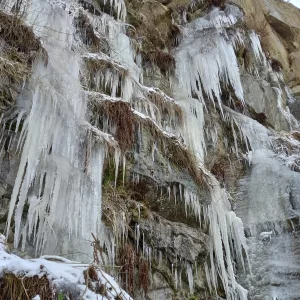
column 62, row 154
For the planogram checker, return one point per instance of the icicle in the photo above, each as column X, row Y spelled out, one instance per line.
column 176, row 278
column 293, row 123
column 160, row 259
column 175, row 193
column 139, row 210
column 117, row 163
column 203, row 60
column 256, row 46
column 124, row 169
column 189, row 272
column 120, row 7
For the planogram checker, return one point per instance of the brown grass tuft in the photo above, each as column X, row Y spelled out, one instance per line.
column 120, row 115
column 17, row 34
column 144, row 275
column 127, row 260
column 163, row 60
column 25, row 288
column 175, row 35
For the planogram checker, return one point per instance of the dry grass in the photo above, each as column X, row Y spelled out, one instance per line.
column 116, row 210
column 97, row 251
column 127, row 258
column 17, row 34
column 94, row 65
column 13, row 71
column 144, row 281
column 135, row 271
column 19, row 50
column 87, row 34
column 174, row 35
column 163, row 60
column 119, row 114
column 96, row 71
column 154, row 25
column 25, row 288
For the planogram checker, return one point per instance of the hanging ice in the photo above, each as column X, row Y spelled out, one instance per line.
column 204, row 59
column 256, row 47
column 61, row 165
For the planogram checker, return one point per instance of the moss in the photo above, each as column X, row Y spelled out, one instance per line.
column 109, row 173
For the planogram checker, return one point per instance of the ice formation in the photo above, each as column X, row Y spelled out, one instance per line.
column 256, row 47
column 57, row 177
column 62, row 156
column 206, row 57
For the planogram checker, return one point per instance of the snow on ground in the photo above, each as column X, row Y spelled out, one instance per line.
column 60, row 273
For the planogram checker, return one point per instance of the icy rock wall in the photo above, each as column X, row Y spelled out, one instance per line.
column 62, row 155
column 51, row 179
column 63, row 146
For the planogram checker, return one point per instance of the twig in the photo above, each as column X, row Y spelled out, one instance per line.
column 24, row 289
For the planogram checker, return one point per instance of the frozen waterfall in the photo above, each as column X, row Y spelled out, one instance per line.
column 63, row 153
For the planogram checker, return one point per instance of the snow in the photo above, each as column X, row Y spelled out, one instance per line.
column 266, row 235
column 60, row 273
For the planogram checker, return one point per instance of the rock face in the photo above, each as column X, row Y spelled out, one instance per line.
column 177, row 240
column 152, row 130
column 278, row 24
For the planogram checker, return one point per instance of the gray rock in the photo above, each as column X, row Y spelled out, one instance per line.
column 261, row 96
column 177, row 240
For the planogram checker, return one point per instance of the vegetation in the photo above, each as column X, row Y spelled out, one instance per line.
column 89, row 37
column 20, row 48
column 24, row 288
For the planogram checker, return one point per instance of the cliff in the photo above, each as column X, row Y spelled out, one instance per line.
column 156, row 142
